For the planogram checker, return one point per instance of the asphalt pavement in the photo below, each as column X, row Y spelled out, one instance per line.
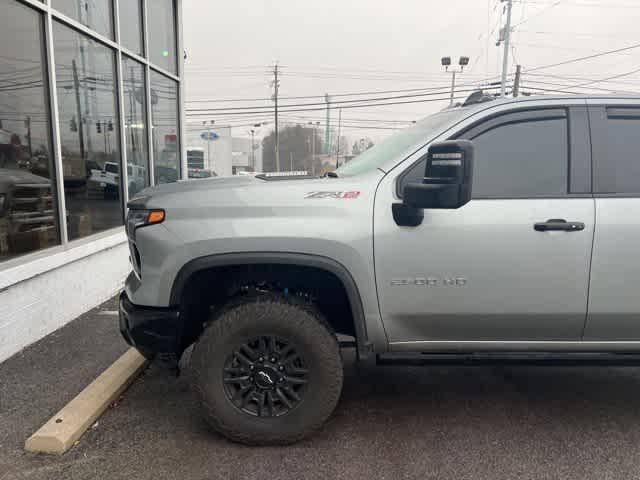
column 393, row 422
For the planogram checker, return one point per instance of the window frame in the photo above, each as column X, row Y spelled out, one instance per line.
column 118, row 123
column 578, row 138
column 147, row 40
column 598, row 117
column 55, row 179
column 50, row 14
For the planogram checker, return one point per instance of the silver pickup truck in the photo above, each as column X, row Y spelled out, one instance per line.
column 494, row 230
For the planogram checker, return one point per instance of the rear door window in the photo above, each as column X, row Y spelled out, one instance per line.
column 616, row 145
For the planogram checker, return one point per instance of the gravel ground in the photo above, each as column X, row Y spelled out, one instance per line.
column 392, row 422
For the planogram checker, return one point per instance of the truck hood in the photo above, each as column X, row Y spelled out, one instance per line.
column 202, row 184
column 13, row 177
column 223, row 192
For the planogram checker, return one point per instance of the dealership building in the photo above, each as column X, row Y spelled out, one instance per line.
column 91, row 97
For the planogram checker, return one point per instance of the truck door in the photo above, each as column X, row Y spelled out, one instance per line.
column 614, row 303
column 485, row 272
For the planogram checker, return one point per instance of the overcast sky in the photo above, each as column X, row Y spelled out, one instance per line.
column 347, row 46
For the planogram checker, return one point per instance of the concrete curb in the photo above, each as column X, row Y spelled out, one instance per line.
column 63, row 429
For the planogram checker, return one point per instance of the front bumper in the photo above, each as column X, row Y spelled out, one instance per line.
column 149, row 329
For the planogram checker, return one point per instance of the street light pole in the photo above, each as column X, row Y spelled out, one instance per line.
column 446, row 63
column 453, row 86
column 211, row 122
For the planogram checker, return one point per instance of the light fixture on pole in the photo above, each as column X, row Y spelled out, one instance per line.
column 446, row 63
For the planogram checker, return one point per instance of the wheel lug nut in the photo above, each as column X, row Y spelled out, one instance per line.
column 251, row 367
column 280, row 368
column 261, row 359
column 273, row 360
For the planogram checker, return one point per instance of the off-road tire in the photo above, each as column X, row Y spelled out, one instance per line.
column 298, row 322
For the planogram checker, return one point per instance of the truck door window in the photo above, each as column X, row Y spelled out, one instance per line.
column 111, row 168
column 519, row 154
column 616, row 139
column 521, row 159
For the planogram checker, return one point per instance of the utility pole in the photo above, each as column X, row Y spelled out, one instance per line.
column 327, row 132
column 516, row 82
column 132, row 116
column 313, row 148
column 80, row 125
column 313, row 145
column 507, row 39
column 253, row 150
column 276, row 85
column 104, row 132
column 338, row 139
column 27, row 123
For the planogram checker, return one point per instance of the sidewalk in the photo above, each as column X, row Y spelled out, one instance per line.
column 37, row 382
column 392, row 422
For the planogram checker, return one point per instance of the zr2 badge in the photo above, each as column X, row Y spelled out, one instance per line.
column 335, row 195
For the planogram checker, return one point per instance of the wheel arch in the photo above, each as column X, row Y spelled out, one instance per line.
column 319, row 262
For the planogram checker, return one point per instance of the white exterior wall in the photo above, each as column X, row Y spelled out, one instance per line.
column 41, row 295
column 218, row 154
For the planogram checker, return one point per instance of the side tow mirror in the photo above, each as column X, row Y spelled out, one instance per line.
column 447, row 180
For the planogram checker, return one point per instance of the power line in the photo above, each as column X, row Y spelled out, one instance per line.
column 579, row 4
column 555, row 84
column 573, row 34
column 538, row 13
column 580, row 79
column 588, row 57
column 426, row 100
column 620, row 75
column 373, row 99
column 549, row 90
column 373, row 120
column 352, row 94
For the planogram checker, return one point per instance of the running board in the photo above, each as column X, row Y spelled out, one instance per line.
column 548, row 359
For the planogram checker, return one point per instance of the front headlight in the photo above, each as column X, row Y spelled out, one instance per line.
column 141, row 218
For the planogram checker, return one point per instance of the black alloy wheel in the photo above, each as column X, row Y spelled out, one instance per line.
column 265, row 377
column 267, row 370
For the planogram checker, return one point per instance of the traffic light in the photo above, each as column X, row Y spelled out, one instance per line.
column 110, row 126
column 73, row 126
column 98, row 127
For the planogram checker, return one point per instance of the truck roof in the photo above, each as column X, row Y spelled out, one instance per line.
column 488, row 102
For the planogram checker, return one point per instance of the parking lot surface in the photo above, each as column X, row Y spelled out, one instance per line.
column 393, row 422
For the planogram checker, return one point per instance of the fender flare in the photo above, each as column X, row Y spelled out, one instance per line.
column 301, row 259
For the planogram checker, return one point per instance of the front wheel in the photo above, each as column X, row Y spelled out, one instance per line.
column 268, row 371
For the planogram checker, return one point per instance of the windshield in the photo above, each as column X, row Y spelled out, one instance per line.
column 402, row 142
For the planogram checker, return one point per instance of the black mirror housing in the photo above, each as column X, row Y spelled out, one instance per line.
column 448, row 177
